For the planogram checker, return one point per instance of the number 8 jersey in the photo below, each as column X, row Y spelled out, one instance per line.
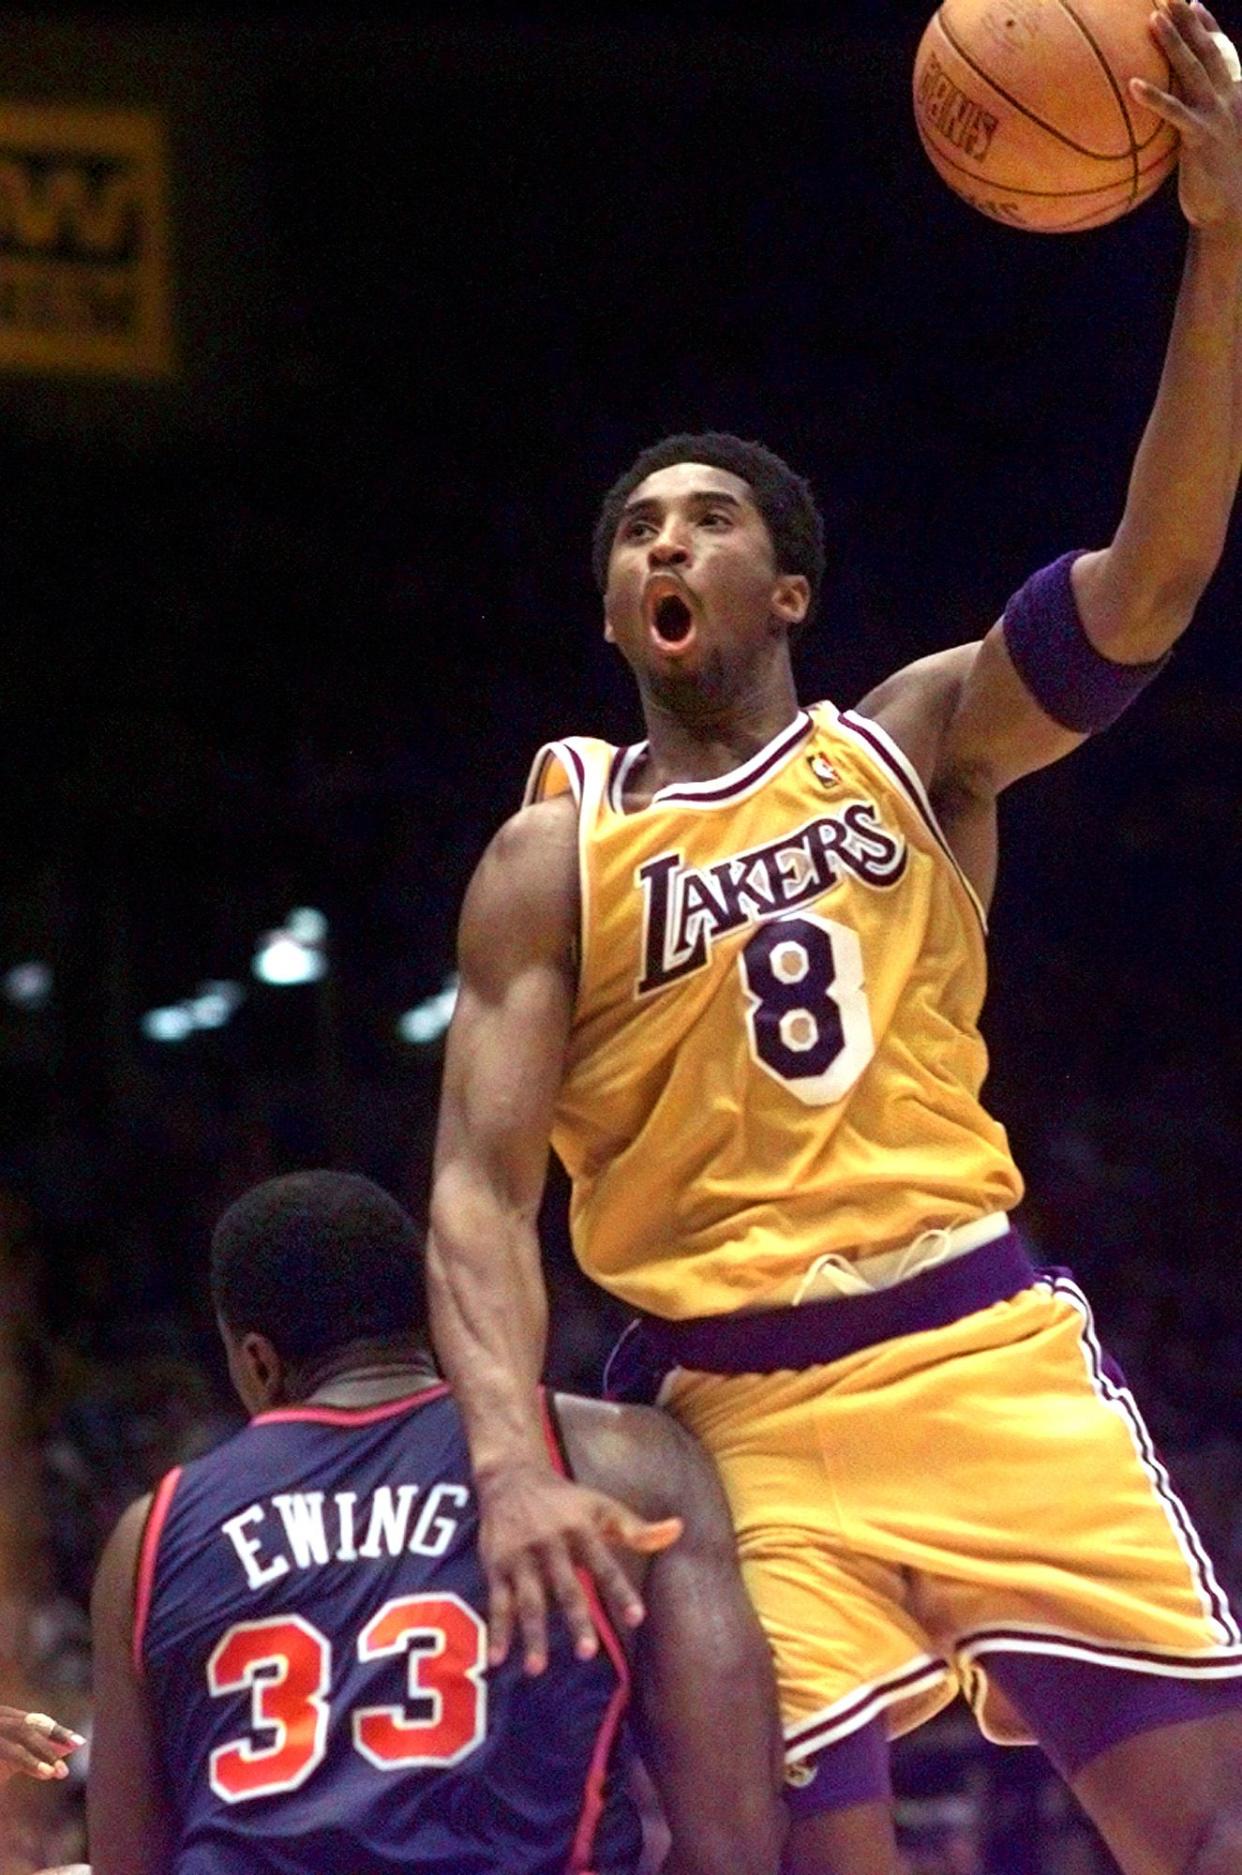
column 775, row 1061
column 309, row 1620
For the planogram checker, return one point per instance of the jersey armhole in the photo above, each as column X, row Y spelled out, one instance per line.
column 897, row 766
column 557, row 769
column 144, row 1581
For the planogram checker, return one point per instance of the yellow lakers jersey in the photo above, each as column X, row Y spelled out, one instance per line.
column 774, row 1064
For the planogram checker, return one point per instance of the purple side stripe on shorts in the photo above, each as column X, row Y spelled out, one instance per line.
column 1109, row 1382
column 1077, row 1709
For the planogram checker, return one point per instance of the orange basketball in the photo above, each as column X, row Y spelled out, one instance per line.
column 1025, row 109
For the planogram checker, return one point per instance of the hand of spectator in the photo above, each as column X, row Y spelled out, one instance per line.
column 33, row 1743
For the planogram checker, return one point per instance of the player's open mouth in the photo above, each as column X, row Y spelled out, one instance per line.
column 672, row 619
column 669, row 620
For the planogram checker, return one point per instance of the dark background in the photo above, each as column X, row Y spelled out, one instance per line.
column 288, row 629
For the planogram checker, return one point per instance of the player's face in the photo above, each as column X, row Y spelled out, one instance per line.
column 693, row 587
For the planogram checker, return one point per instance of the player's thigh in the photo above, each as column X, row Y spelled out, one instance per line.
column 860, row 1840
column 845, row 1644
column 1080, row 1606
column 1169, row 1802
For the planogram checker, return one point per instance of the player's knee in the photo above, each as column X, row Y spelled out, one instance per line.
column 1219, row 1850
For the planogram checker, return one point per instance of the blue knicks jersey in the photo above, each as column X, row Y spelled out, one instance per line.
column 309, row 1619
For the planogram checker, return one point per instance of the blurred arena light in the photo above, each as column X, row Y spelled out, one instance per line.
column 295, row 953
column 209, row 1008
column 167, row 1025
column 427, row 1021
column 28, row 985
column 213, row 1003
column 307, row 925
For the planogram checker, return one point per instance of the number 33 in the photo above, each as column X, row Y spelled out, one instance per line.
column 286, row 1665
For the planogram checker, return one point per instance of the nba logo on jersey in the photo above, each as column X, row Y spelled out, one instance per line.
column 823, row 771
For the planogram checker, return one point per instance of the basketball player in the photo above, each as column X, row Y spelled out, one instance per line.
column 734, row 972
column 291, row 1673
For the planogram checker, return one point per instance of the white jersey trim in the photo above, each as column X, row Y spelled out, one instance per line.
column 868, row 734
column 569, row 759
column 1119, row 1399
column 1215, row 1664
column 737, row 785
column 921, row 1674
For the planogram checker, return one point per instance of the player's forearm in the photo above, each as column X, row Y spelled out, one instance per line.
column 1185, row 475
column 489, row 1318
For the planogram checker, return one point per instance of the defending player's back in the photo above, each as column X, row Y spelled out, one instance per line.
column 316, row 1649
column 293, row 1673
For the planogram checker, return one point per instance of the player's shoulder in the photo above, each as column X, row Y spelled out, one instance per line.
column 537, row 826
column 915, row 705
column 113, row 1588
column 529, row 868
column 643, row 1456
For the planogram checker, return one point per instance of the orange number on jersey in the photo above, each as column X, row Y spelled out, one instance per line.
column 286, row 1663
column 287, row 1666
column 447, row 1648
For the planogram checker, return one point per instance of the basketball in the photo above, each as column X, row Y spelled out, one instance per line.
column 1025, row 109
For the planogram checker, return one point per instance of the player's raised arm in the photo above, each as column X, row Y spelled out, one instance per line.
column 1083, row 637
column 128, row 1818
column 700, row 1655
column 505, row 1055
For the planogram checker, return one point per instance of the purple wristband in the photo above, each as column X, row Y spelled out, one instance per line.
column 1070, row 680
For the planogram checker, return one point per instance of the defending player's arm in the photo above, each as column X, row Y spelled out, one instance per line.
column 128, row 1818
column 700, row 1653
column 1081, row 639
column 505, row 1055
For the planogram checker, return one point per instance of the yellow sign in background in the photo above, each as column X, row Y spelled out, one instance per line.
column 84, row 245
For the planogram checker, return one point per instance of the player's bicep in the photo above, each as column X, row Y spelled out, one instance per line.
column 967, row 723
column 129, row 1818
column 997, row 732
column 506, row 1043
column 501, row 1073
column 701, row 1653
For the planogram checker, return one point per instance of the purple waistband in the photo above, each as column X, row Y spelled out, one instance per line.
column 810, row 1333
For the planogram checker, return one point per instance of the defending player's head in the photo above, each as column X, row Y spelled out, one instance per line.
column 709, row 553
column 311, row 1272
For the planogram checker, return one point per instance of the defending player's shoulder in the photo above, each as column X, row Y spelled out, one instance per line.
column 646, row 1459
column 524, row 893
column 112, row 1592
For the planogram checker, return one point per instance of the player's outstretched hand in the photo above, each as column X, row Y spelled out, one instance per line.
column 538, row 1531
column 1208, row 113
column 33, row 1743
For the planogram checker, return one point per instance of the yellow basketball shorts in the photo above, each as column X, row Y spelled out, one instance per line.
column 975, row 1507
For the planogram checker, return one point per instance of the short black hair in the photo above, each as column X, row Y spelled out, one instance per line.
column 783, row 498
column 316, row 1260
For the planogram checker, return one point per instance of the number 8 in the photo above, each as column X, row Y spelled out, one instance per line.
column 807, row 1018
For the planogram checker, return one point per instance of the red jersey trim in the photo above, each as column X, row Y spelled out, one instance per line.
column 147, row 1549
column 350, row 1415
column 593, row 1795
